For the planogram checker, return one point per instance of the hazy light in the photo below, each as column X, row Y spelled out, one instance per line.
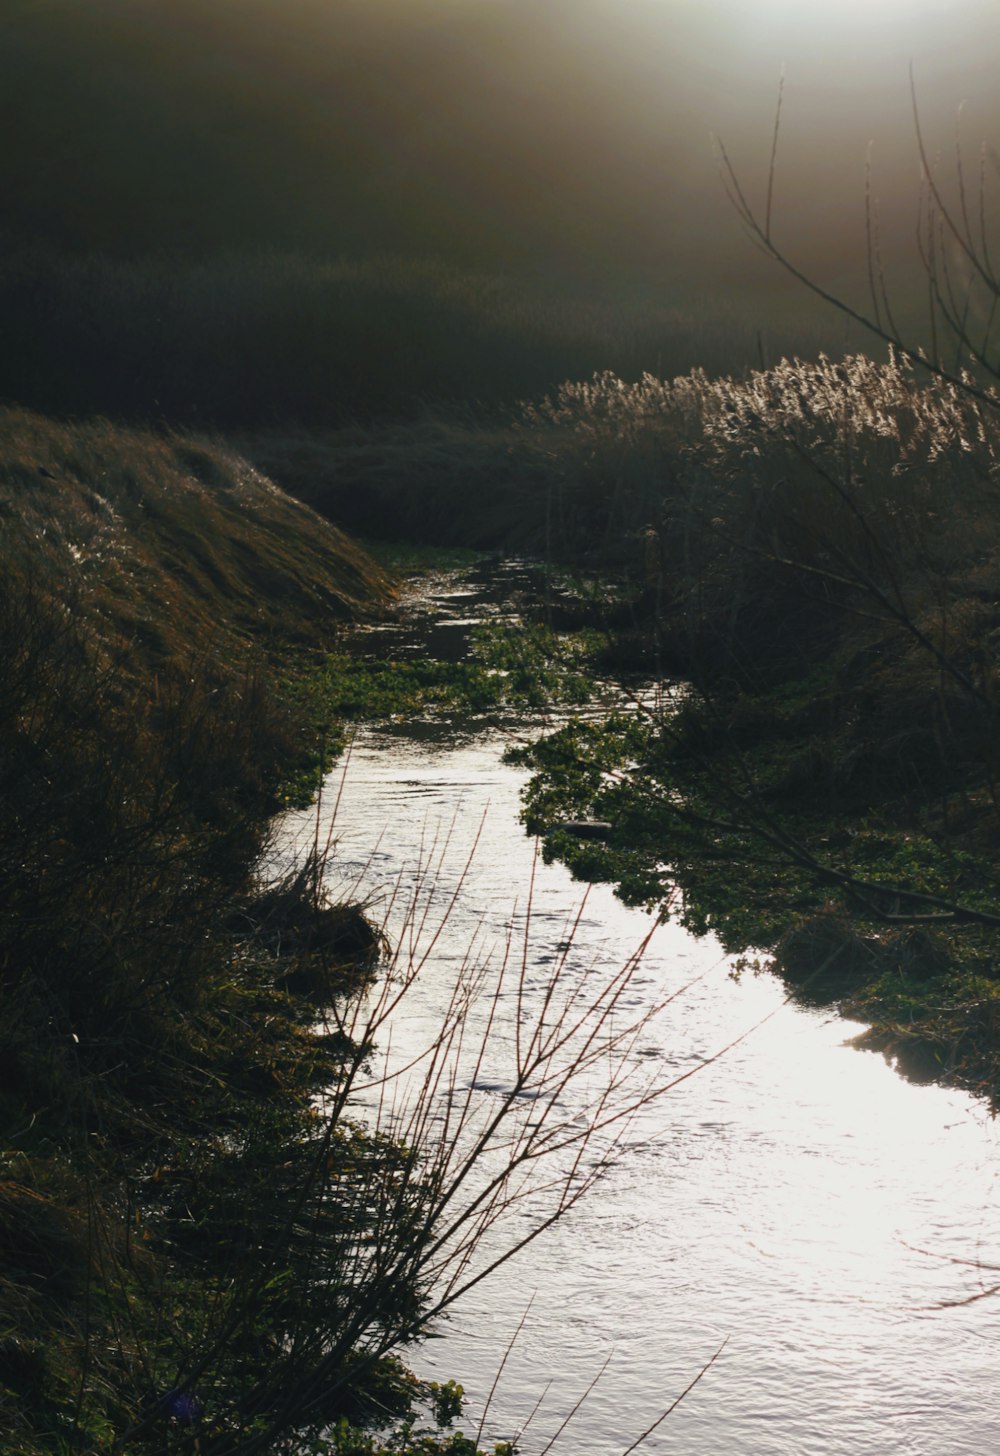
column 875, row 13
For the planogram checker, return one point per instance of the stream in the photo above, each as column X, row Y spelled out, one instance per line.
column 794, row 1197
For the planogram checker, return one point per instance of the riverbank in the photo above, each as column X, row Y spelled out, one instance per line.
column 173, row 1211
column 815, row 548
column 819, row 560
column 834, row 828
column 822, row 797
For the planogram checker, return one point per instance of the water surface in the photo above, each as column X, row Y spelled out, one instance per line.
column 795, row 1195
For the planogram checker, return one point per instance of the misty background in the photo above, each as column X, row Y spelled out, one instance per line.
column 565, row 142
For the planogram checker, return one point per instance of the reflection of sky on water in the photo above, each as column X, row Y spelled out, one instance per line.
column 797, row 1195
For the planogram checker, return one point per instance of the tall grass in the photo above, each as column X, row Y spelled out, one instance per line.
column 147, row 730
column 220, row 1220
column 154, row 592
column 770, row 496
column 799, row 459
column 817, row 548
column 250, row 340
column 174, row 543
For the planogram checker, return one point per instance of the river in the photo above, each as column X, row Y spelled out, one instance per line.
column 795, row 1197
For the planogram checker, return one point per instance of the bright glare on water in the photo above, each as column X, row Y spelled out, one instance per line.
column 834, row 1225
column 796, row 1195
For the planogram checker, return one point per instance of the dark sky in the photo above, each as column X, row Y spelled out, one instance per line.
column 559, row 135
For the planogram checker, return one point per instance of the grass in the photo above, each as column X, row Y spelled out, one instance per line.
column 173, row 540
column 252, row 341
column 816, row 547
column 156, row 592
column 594, row 462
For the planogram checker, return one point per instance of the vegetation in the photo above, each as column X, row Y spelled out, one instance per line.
column 255, row 341
column 821, row 560
column 146, row 1026
column 160, row 1047
column 534, row 668
column 202, row 1246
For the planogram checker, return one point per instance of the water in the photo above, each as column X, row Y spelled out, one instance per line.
column 795, row 1197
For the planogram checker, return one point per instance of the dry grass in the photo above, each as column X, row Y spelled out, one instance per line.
column 154, row 588
column 173, row 541
column 825, row 452
column 745, row 500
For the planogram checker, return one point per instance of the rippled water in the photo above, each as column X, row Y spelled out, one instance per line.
column 795, row 1195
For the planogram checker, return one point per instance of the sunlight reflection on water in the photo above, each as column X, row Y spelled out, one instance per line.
column 797, row 1195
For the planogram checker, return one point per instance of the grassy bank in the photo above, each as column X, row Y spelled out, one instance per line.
column 166, row 1191
column 171, row 542
column 202, row 1245
column 816, row 550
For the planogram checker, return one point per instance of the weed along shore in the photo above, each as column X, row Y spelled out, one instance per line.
column 200, row 1250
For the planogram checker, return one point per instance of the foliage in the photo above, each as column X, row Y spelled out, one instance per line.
column 413, row 1437
column 820, row 558
column 538, row 666
column 508, row 667
column 201, row 1247
column 152, row 1056
column 157, row 1069
column 733, row 841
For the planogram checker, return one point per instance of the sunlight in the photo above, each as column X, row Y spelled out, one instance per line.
column 867, row 15
column 891, row 21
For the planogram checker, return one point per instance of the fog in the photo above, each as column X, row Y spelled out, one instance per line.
column 567, row 137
